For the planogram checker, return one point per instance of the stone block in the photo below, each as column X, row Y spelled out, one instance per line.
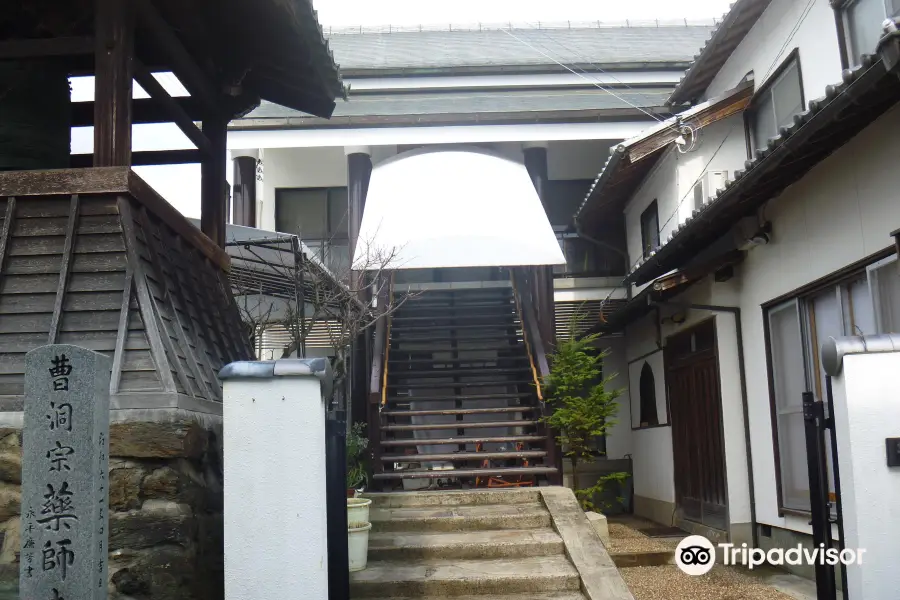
column 167, row 483
column 163, row 573
column 10, row 501
column 154, row 524
column 125, row 479
column 11, row 455
column 12, row 541
column 598, row 522
column 144, row 439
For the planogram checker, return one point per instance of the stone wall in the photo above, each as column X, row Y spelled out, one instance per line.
column 165, row 523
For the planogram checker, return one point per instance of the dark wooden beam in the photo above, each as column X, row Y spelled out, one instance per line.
column 114, row 49
column 147, row 158
column 244, row 191
column 213, row 194
column 195, row 79
column 147, row 81
column 144, row 110
column 40, row 48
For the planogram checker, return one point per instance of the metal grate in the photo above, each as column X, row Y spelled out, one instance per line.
column 324, row 334
column 591, row 311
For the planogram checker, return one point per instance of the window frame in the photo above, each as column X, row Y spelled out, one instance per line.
column 651, row 210
column 800, row 299
column 765, row 90
column 339, row 238
column 845, row 32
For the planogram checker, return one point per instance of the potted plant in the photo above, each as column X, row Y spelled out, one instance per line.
column 584, row 406
column 358, row 524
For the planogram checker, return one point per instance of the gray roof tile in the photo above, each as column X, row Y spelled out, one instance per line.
column 448, row 49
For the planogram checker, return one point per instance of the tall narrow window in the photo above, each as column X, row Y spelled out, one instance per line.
column 776, row 104
column 649, row 230
column 649, row 414
column 863, row 25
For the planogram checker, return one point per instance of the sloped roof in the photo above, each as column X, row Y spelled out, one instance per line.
column 631, row 161
column 492, row 48
column 864, row 94
column 735, row 25
column 470, row 105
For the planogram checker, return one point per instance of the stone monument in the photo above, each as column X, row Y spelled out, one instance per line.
column 65, row 465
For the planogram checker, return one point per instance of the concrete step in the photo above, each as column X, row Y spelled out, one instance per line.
column 460, row 518
column 454, row 577
column 510, row 543
column 454, row 498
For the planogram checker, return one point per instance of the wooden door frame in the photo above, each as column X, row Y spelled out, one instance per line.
column 667, row 367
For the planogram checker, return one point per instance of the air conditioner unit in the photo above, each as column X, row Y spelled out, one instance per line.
column 708, row 185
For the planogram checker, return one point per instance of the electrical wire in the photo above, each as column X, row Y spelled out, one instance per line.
column 587, row 60
column 790, row 37
column 592, row 82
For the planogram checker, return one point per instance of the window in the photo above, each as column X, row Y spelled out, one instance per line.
column 649, row 229
column 865, row 303
column 863, row 25
column 649, row 416
column 776, row 104
column 319, row 217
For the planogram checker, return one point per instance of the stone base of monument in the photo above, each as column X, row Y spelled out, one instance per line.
column 165, row 496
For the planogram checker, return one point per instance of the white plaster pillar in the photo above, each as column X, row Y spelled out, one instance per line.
column 274, row 467
column 866, row 391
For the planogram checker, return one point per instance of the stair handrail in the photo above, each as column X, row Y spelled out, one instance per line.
column 381, row 345
column 534, row 343
column 387, row 337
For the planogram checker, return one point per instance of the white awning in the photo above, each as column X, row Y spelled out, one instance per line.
column 454, row 208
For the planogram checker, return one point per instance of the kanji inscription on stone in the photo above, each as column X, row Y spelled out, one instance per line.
column 65, row 496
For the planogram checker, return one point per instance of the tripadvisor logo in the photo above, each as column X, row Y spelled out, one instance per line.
column 696, row 555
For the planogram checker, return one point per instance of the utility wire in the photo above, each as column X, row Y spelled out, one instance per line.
column 587, row 60
column 790, row 37
column 592, row 82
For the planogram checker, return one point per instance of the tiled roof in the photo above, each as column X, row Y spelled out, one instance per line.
column 473, row 102
column 864, row 94
column 735, row 25
column 631, row 161
column 431, row 50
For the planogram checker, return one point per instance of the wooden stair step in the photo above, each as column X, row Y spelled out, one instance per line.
column 458, row 425
column 459, row 384
column 454, row 361
column 397, row 328
column 444, row 474
column 411, row 306
column 429, row 342
column 474, row 439
column 473, row 316
column 466, row 456
column 463, row 397
column 458, row 411
column 477, row 371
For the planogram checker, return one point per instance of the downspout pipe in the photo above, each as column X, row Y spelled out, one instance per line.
column 734, row 310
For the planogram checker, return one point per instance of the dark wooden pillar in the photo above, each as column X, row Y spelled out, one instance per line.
column 359, row 170
column 213, row 192
column 536, row 163
column 245, row 191
column 114, row 50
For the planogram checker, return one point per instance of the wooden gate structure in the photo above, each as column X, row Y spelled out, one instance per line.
column 93, row 256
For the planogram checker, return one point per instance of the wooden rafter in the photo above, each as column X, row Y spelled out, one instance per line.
column 152, row 325
column 143, row 110
column 46, row 47
column 65, row 265
column 177, row 114
column 148, row 157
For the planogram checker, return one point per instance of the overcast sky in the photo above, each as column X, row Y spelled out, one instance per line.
column 414, row 12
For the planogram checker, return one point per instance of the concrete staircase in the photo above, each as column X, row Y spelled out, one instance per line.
column 462, row 545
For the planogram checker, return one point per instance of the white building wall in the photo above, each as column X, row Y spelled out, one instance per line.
column 784, row 26
column 842, row 211
column 618, row 439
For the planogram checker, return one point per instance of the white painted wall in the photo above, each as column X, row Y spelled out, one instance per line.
column 775, row 35
column 275, row 521
column 867, row 410
column 722, row 146
column 514, row 80
column 842, row 211
column 618, row 440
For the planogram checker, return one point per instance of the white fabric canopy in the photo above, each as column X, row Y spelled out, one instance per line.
column 454, row 208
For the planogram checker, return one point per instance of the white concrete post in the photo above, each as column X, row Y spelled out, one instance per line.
column 274, row 466
column 866, row 390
